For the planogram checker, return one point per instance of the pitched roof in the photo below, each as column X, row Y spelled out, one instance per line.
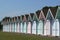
column 38, row 13
column 27, row 16
column 45, row 10
column 32, row 14
column 18, row 17
column 53, row 10
column 6, row 18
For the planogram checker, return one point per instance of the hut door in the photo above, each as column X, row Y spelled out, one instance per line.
column 40, row 27
column 4, row 28
column 47, row 28
column 17, row 27
column 8, row 28
column 21, row 27
column 25, row 26
column 29, row 27
column 57, row 27
column 12, row 27
column 34, row 27
column 53, row 29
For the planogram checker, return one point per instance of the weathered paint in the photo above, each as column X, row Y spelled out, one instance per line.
column 34, row 27
column 40, row 27
column 47, row 27
column 29, row 28
column 55, row 28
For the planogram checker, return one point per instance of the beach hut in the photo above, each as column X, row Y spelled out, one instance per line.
column 21, row 23
column 33, row 22
column 4, row 24
column 24, row 25
column 17, row 26
column 41, row 23
column 29, row 25
column 9, row 24
column 48, row 26
column 45, row 10
column 56, row 24
column 37, row 22
column 13, row 25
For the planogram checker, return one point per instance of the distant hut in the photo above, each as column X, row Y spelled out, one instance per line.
column 45, row 10
column 29, row 25
column 56, row 22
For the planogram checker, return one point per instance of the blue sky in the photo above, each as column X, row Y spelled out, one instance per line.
column 19, row 7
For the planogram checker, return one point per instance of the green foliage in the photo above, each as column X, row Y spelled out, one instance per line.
column 1, row 26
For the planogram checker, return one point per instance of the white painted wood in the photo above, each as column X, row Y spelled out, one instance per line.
column 21, row 28
column 29, row 28
column 17, row 27
column 34, row 27
column 13, row 29
column 40, row 28
column 55, row 28
column 47, row 28
column 25, row 27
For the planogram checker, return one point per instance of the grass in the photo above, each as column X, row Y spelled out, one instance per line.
column 20, row 36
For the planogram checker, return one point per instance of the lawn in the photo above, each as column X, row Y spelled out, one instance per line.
column 20, row 36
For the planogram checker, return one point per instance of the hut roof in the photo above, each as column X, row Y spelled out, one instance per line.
column 31, row 14
column 45, row 10
column 38, row 13
column 27, row 16
column 53, row 10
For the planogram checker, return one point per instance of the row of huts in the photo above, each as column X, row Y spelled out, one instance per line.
column 43, row 22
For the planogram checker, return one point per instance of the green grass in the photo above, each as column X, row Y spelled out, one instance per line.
column 20, row 36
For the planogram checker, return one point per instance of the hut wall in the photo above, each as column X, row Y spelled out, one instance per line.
column 40, row 28
column 21, row 27
column 55, row 28
column 10, row 26
column 25, row 27
column 29, row 28
column 47, row 28
column 34, row 27
column 17, row 27
column 13, row 28
column 4, row 28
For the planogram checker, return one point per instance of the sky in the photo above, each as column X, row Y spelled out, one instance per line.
column 11, row 8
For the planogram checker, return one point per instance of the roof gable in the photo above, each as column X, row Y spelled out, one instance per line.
column 31, row 16
column 53, row 10
column 49, row 15
column 35, row 17
column 58, row 13
column 45, row 10
column 21, row 18
column 26, row 17
column 38, row 13
column 41, row 16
